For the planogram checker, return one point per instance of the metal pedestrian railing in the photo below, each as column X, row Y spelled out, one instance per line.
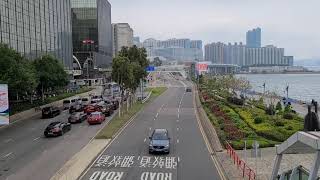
column 246, row 171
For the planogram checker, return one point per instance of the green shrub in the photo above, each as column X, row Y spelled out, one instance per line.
column 258, row 120
column 289, row 128
column 279, row 106
column 270, row 110
column 236, row 101
column 287, row 115
column 279, row 123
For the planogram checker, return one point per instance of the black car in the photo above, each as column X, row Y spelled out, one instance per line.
column 50, row 112
column 188, row 90
column 77, row 117
column 57, row 129
column 159, row 141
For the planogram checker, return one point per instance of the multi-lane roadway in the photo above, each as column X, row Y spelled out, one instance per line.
column 127, row 157
column 26, row 154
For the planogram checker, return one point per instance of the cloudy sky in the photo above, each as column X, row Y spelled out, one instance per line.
column 291, row 24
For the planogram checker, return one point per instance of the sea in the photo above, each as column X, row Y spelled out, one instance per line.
column 303, row 87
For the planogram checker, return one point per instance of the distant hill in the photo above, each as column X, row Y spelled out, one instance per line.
column 307, row 62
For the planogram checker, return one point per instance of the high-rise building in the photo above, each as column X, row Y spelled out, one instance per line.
column 122, row 36
column 266, row 56
column 35, row 28
column 254, row 38
column 175, row 49
column 92, row 31
column 136, row 41
column 214, row 53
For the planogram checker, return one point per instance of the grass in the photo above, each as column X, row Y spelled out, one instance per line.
column 20, row 107
column 118, row 122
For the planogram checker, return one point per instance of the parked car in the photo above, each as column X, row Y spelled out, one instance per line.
column 75, row 108
column 159, row 141
column 57, row 129
column 50, row 112
column 77, row 117
column 66, row 104
column 96, row 99
column 188, row 89
column 96, row 118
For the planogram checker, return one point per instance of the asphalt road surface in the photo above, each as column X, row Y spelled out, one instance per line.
column 127, row 157
column 26, row 154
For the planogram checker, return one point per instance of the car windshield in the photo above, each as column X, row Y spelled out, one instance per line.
column 54, row 124
column 66, row 101
column 85, row 99
column 46, row 109
column 159, row 136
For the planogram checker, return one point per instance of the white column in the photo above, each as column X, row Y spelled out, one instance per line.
column 276, row 167
column 315, row 167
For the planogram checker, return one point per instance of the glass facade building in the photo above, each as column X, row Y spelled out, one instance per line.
column 92, row 31
column 254, row 38
column 38, row 27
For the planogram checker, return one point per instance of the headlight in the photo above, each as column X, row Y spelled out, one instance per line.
column 167, row 145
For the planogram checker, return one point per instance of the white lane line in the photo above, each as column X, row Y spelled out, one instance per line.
column 178, row 115
column 8, row 140
column 154, row 119
column 178, row 159
column 178, row 141
column 157, row 115
column 177, row 120
column 178, row 129
column 7, row 155
column 36, row 138
column 145, row 139
column 149, row 128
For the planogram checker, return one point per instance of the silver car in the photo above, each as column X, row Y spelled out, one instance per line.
column 159, row 141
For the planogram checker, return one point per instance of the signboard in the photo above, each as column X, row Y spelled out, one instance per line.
column 150, row 68
column 202, row 67
column 4, row 105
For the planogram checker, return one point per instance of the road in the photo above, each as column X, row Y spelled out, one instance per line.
column 127, row 157
column 26, row 154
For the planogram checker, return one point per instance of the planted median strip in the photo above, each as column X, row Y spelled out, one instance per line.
column 118, row 122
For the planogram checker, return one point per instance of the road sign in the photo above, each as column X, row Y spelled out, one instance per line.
column 150, row 68
column 4, row 105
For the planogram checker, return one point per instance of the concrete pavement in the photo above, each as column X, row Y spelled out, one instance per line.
column 127, row 157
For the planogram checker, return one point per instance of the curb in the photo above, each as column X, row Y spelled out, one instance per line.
column 207, row 125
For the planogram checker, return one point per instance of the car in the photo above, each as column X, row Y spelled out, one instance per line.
column 66, row 104
column 50, row 112
column 85, row 101
column 77, row 117
column 107, row 109
column 96, row 118
column 75, row 108
column 57, row 129
column 92, row 108
column 188, row 89
column 115, row 104
column 159, row 141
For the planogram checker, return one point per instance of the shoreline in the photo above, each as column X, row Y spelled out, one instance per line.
column 304, row 72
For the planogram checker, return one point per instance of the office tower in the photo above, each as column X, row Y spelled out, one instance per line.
column 254, row 38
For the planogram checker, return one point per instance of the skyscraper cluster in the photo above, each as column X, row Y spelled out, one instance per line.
column 174, row 49
column 251, row 54
column 122, row 36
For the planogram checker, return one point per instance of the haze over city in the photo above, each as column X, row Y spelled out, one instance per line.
column 289, row 24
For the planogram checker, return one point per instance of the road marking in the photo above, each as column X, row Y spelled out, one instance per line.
column 178, row 115
column 178, row 141
column 145, row 139
column 178, row 159
column 8, row 140
column 150, row 128
column 177, row 129
column 36, row 138
column 157, row 115
column 5, row 156
column 177, row 120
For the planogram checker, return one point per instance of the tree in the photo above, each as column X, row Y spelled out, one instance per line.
column 17, row 72
column 50, row 73
column 157, row 61
column 279, row 106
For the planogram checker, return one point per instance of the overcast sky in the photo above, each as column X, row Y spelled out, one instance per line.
column 291, row 24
